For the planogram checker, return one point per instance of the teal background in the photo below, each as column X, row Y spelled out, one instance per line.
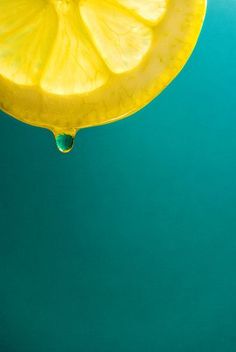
column 128, row 244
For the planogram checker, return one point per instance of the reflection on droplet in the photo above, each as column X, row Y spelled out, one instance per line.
column 64, row 142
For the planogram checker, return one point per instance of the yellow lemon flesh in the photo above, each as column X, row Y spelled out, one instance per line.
column 69, row 64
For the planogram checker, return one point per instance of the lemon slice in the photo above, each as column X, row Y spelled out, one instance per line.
column 70, row 64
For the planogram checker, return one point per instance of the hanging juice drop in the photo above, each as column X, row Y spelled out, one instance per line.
column 64, row 142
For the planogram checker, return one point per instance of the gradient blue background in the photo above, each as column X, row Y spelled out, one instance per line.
column 128, row 244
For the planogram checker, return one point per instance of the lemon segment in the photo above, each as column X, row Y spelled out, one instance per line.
column 27, row 29
column 121, row 39
column 151, row 11
column 74, row 66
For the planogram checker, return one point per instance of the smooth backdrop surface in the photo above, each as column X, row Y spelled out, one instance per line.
column 128, row 244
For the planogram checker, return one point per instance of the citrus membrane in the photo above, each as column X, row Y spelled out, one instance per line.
column 70, row 64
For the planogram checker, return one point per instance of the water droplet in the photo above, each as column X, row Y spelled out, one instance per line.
column 64, row 142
